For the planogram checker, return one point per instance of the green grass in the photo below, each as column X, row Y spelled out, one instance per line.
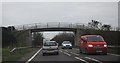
column 114, row 50
column 14, row 56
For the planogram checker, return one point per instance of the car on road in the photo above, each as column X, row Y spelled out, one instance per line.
column 90, row 44
column 66, row 44
column 50, row 47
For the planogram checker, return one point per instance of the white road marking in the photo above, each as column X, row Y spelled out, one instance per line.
column 66, row 51
column 75, row 48
column 93, row 59
column 67, row 54
column 74, row 53
column 81, row 59
column 60, row 50
column 113, row 54
column 34, row 55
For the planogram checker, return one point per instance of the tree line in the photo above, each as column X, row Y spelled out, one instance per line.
column 8, row 37
column 64, row 37
column 13, row 38
column 100, row 26
column 37, row 39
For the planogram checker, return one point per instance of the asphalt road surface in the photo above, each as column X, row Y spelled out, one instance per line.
column 73, row 55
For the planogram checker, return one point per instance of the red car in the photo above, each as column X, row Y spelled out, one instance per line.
column 90, row 44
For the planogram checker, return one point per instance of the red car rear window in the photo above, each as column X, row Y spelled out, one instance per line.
column 97, row 38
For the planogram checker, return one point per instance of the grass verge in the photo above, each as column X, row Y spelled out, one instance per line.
column 114, row 50
column 14, row 56
column 0, row 54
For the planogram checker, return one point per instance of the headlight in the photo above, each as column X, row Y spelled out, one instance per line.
column 70, row 45
column 64, row 45
column 90, row 45
column 105, row 45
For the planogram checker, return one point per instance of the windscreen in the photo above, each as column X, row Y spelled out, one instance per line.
column 95, row 39
column 66, row 42
column 50, row 44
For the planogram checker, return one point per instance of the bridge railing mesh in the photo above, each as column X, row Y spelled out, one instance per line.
column 51, row 25
column 58, row 25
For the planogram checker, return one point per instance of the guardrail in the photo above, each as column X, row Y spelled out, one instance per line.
column 113, row 46
column 18, row 48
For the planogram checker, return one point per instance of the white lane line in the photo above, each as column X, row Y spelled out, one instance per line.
column 67, row 54
column 74, row 53
column 93, row 59
column 75, row 49
column 60, row 50
column 66, row 50
column 113, row 54
column 34, row 55
column 81, row 59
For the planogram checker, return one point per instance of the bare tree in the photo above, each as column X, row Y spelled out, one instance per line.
column 95, row 24
column 106, row 27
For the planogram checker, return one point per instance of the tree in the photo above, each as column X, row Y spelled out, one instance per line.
column 8, row 38
column 106, row 27
column 11, row 28
column 95, row 24
column 37, row 39
column 64, row 37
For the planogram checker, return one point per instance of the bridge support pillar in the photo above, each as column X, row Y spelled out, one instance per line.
column 77, row 37
column 30, row 38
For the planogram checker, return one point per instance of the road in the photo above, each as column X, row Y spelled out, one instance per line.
column 73, row 55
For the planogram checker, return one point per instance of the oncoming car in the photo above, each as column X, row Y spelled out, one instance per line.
column 66, row 44
column 50, row 47
column 93, row 44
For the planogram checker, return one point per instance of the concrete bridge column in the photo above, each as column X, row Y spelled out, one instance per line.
column 77, row 37
column 30, row 38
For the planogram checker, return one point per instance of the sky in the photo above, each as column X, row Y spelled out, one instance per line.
column 19, row 13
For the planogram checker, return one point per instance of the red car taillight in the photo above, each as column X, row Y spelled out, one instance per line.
column 90, row 45
column 105, row 45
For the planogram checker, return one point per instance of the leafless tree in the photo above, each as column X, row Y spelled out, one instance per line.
column 106, row 27
column 95, row 24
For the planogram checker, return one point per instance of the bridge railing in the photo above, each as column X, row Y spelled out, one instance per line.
column 51, row 25
column 57, row 25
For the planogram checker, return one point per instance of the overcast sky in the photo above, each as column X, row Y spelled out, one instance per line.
column 38, row 12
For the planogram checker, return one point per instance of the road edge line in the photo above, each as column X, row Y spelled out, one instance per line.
column 34, row 55
column 67, row 53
